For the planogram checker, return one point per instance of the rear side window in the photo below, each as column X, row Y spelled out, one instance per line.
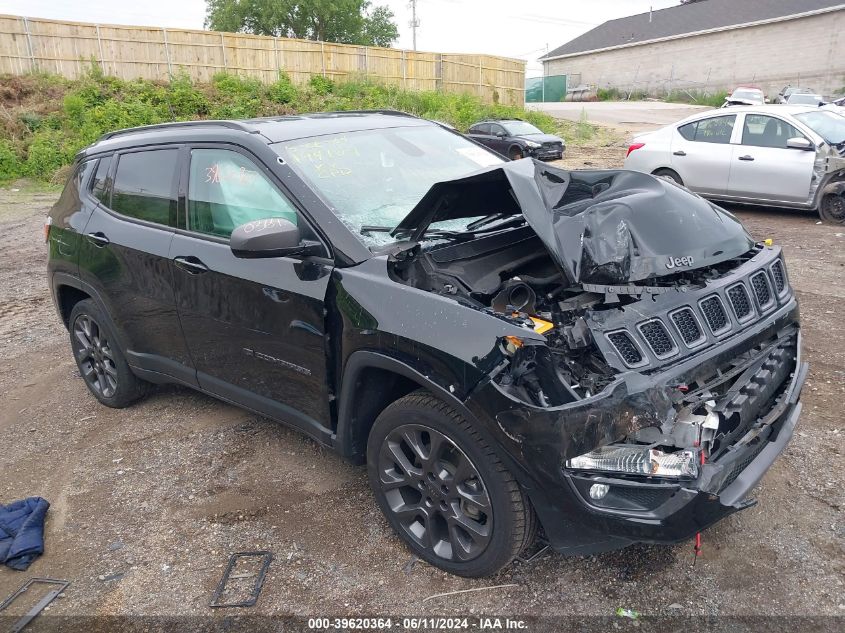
column 226, row 189
column 69, row 200
column 481, row 128
column 145, row 186
column 714, row 130
column 98, row 182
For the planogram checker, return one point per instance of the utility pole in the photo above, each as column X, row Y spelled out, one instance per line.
column 414, row 23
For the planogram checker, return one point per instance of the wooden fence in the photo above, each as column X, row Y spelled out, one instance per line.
column 68, row 48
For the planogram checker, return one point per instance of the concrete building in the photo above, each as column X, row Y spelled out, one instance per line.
column 710, row 45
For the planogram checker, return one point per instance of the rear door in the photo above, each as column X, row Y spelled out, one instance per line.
column 702, row 151
column 481, row 133
column 124, row 256
column 254, row 327
column 764, row 168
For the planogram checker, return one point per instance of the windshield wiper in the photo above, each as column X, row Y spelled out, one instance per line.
column 508, row 218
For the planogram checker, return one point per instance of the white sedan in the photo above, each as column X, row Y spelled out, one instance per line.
column 781, row 155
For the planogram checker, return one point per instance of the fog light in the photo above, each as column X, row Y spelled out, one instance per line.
column 599, row 491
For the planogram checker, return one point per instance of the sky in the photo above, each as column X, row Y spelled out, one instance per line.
column 512, row 28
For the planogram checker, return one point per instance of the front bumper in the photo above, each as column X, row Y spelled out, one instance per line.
column 546, row 153
column 653, row 510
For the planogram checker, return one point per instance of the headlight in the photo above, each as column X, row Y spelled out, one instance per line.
column 637, row 460
column 533, row 145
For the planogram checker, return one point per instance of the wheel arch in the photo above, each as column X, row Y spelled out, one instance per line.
column 67, row 297
column 371, row 382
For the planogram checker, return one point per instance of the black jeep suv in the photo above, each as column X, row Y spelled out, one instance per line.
column 517, row 139
column 506, row 345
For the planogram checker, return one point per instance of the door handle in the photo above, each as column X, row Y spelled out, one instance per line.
column 98, row 239
column 746, row 157
column 680, row 152
column 190, row 264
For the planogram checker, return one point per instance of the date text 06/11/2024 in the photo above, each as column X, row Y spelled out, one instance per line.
column 421, row 623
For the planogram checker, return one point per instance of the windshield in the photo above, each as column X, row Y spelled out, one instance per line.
column 829, row 125
column 747, row 94
column 373, row 178
column 805, row 99
column 518, row 128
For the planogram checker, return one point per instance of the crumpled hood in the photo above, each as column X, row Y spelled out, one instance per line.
column 602, row 227
column 541, row 138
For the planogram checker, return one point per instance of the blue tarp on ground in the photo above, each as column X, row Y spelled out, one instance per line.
column 22, row 532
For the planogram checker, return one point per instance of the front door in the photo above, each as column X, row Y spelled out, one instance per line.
column 701, row 153
column 254, row 327
column 764, row 168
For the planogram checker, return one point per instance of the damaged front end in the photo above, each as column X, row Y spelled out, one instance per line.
column 667, row 375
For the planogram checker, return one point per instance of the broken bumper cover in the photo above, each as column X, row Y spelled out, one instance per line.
column 639, row 509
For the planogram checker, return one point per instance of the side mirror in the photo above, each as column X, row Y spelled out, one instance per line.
column 799, row 142
column 271, row 237
column 502, row 134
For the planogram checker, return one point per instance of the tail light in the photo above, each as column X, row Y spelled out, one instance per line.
column 632, row 147
column 47, row 224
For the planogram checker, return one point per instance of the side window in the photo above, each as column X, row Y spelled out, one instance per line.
column 69, row 200
column 226, row 189
column 99, row 186
column 761, row 130
column 482, row 128
column 688, row 130
column 717, row 129
column 145, row 186
column 496, row 129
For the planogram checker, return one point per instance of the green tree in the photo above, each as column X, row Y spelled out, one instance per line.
column 343, row 21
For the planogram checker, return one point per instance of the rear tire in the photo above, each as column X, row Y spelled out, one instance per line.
column 832, row 208
column 99, row 358
column 444, row 490
column 668, row 174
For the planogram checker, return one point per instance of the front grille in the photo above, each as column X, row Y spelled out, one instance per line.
column 742, row 464
column 780, row 276
column 626, row 347
column 760, row 283
column 740, row 301
column 658, row 338
column 687, row 326
column 715, row 314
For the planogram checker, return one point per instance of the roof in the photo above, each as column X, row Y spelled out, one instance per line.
column 767, row 108
column 685, row 19
column 269, row 129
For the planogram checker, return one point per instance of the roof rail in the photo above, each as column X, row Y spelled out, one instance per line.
column 342, row 112
column 234, row 125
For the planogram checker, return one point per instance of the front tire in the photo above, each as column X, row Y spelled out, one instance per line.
column 444, row 490
column 832, row 208
column 515, row 153
column 99, row 358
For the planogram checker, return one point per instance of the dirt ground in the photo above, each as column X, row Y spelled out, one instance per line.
column 149, row 502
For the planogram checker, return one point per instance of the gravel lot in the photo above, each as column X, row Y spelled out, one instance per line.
column 148, row 502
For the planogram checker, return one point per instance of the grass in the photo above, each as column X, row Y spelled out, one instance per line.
column 696, row 97
column 46, row 119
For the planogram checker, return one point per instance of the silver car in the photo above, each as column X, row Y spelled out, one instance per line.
column 774, row 155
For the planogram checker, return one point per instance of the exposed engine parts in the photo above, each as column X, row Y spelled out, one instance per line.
column 593, row 332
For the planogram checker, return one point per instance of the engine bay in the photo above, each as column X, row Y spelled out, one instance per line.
column 511, row 275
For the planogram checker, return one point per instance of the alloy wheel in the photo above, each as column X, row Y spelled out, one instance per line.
column 435, row 492
column 94, row 356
